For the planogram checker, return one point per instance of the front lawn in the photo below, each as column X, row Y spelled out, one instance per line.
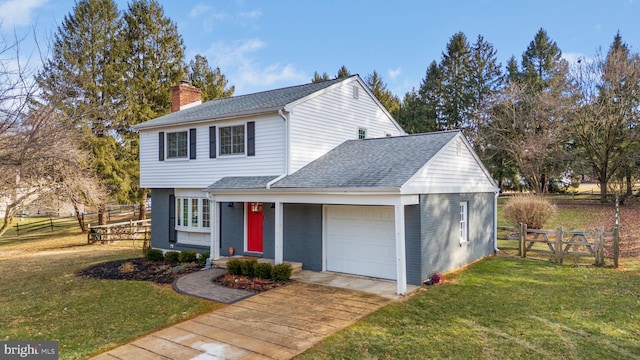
column 504, row 309
column 42, row 299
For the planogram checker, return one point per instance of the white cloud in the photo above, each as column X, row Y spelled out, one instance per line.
column 18, row 12
column 208, row 11
column 251, row 15
column 238, row 62
column 393, row 73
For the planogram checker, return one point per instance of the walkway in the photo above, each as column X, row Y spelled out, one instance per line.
column 276, row 324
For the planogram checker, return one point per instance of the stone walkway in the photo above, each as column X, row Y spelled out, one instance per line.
column 199, row 284
column 276, row 324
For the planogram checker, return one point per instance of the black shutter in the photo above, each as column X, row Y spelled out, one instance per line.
column 192, row 144
column 161, row 146
column 251, row 138
column 172, row 219
column 212, row 142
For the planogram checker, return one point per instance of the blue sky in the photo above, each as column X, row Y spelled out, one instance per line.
column 261, row 45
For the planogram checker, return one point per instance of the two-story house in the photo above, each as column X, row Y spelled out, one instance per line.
column 319, row 174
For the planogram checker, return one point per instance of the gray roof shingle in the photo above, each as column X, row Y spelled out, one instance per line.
column 256, row 103
column 242, row 182
column 370, row 163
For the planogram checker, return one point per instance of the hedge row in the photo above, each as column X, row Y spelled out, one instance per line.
column 252, row 268
column 184, row 256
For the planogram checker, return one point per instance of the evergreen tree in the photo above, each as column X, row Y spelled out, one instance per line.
column 319, row 78
column 83, row 80
column 540, row 62
column 456, row 96
column 343, row 72
column 379, row 89
column 513, row 73
column 212, row 82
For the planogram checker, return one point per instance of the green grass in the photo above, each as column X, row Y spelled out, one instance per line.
column 42, row 299
column 507, row 309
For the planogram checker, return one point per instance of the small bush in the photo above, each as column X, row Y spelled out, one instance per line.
column 234, row 267
column 187, row 256
column 171, row 256
column 153, row 255
column 262, row 270
column 248, row 267
column 533, row 210
column 281, row 272
column 202, row 257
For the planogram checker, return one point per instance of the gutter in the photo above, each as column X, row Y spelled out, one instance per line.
column 286, row 150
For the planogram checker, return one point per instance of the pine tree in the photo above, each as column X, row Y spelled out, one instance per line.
column 540, row 62
column 379, row 89
column 319, row 78
column 212, row 82
column 456, row 97
column 343, row 72
column 83, row 80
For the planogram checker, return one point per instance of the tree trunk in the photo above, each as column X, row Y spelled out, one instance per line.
column 603, row 191
column 143, row 207
column 102, row 220
column 80, row 219
column 629, row 192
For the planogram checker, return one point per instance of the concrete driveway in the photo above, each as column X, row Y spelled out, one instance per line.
column 276, row 324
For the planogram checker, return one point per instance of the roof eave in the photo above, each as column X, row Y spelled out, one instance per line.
column 202, row 119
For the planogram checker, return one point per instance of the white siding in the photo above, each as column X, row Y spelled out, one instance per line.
column 453, row 170
column 203, row 171
column 325, row 121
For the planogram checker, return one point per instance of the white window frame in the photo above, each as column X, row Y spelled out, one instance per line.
column 464, row 222
column 244, row 140
column 176, row 156
column 187, row 213
column 362, row 133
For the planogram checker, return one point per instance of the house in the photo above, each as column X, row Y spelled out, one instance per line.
column 319, row 174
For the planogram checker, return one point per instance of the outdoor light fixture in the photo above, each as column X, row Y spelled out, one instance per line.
column 230, row 204
column 256, row 206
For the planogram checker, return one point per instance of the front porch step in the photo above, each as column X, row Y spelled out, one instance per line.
column 222, row 262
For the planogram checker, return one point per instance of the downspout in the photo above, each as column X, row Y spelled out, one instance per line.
column 495, row 221
column 286, row 150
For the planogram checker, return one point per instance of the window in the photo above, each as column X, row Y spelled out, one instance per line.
column 232, row 140
column 464, row 222
column 206, row 215
column 193, row 213
column 362, row 133
column 177, row 145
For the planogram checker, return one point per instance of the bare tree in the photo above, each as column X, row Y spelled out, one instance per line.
column 39, row 156
column 605, row 123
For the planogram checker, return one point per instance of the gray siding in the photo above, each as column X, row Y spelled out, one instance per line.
column 412, row 243
column 232, row 228
column 441, row 248
column 269, row 232
column 302, row 232
column 160, row 223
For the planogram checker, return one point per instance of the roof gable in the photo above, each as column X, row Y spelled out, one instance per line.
column 242, row 105
column 369, row 163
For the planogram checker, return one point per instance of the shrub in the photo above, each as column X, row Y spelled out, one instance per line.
column 202, row 257
column 262, row 270
column 186, row 256
column 153, row 255
column 247, row 267
column 533, row 210
column 234, row 267
column 171, row 256
column 281, row 272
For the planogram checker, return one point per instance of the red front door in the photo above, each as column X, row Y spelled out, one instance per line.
column 255, row 221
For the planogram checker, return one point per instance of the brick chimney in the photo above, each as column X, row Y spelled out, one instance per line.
column 185, row 96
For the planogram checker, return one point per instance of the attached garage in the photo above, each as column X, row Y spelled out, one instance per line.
column 360, row 240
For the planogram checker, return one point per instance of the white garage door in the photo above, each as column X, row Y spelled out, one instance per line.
column 361, row 240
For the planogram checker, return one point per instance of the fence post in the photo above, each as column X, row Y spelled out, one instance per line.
column 596, row 246
column 558, row 245
column 523, row 238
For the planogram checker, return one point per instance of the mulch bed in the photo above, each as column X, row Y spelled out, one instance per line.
column 159, row 272
column 247, row 283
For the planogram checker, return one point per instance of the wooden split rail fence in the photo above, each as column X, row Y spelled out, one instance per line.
column 559, row 244
column 134, row 231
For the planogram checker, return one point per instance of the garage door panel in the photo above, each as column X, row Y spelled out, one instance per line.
column 361, row 240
